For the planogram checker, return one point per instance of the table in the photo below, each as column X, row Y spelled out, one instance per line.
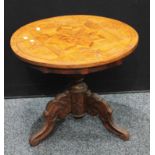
column 75, row 45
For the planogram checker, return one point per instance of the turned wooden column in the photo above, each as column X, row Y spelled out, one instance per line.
column 78, row 99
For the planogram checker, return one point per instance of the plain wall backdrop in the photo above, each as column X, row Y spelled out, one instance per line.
column 134, row 74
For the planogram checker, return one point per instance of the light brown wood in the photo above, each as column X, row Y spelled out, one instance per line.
column 74, row 41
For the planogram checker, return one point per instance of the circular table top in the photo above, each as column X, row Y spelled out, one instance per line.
column 74, row 41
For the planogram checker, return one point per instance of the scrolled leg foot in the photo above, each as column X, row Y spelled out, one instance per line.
column 59, row 108
column 105, row 114
column 42, row 134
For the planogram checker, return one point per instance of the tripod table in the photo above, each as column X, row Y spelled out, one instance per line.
column 75, row 45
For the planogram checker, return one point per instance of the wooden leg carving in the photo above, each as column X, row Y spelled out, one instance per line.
column 77, row 100
column 59, row 108
column 104, row 111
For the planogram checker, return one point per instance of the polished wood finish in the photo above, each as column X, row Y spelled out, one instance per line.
column 79, row 71
column 74, row 41
column 76, row 45
column 78, row 101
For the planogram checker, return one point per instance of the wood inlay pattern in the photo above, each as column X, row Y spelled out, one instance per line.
column 76, row 45
column 74, row 41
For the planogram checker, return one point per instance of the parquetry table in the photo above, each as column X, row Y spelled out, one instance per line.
column 75, row 45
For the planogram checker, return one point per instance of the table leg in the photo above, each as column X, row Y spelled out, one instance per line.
column 59, row 108
column 77, row 100
column 100, row 107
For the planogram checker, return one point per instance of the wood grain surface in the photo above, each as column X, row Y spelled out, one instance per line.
column 74, row 41
column 77, row 100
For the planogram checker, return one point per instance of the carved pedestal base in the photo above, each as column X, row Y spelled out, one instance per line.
column 78, row 100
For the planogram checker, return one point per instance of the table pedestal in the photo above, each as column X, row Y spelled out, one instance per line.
column 78, row 101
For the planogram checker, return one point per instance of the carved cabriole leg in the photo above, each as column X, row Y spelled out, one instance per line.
column 100, row 107
column 59, row 108
column 78, row 100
